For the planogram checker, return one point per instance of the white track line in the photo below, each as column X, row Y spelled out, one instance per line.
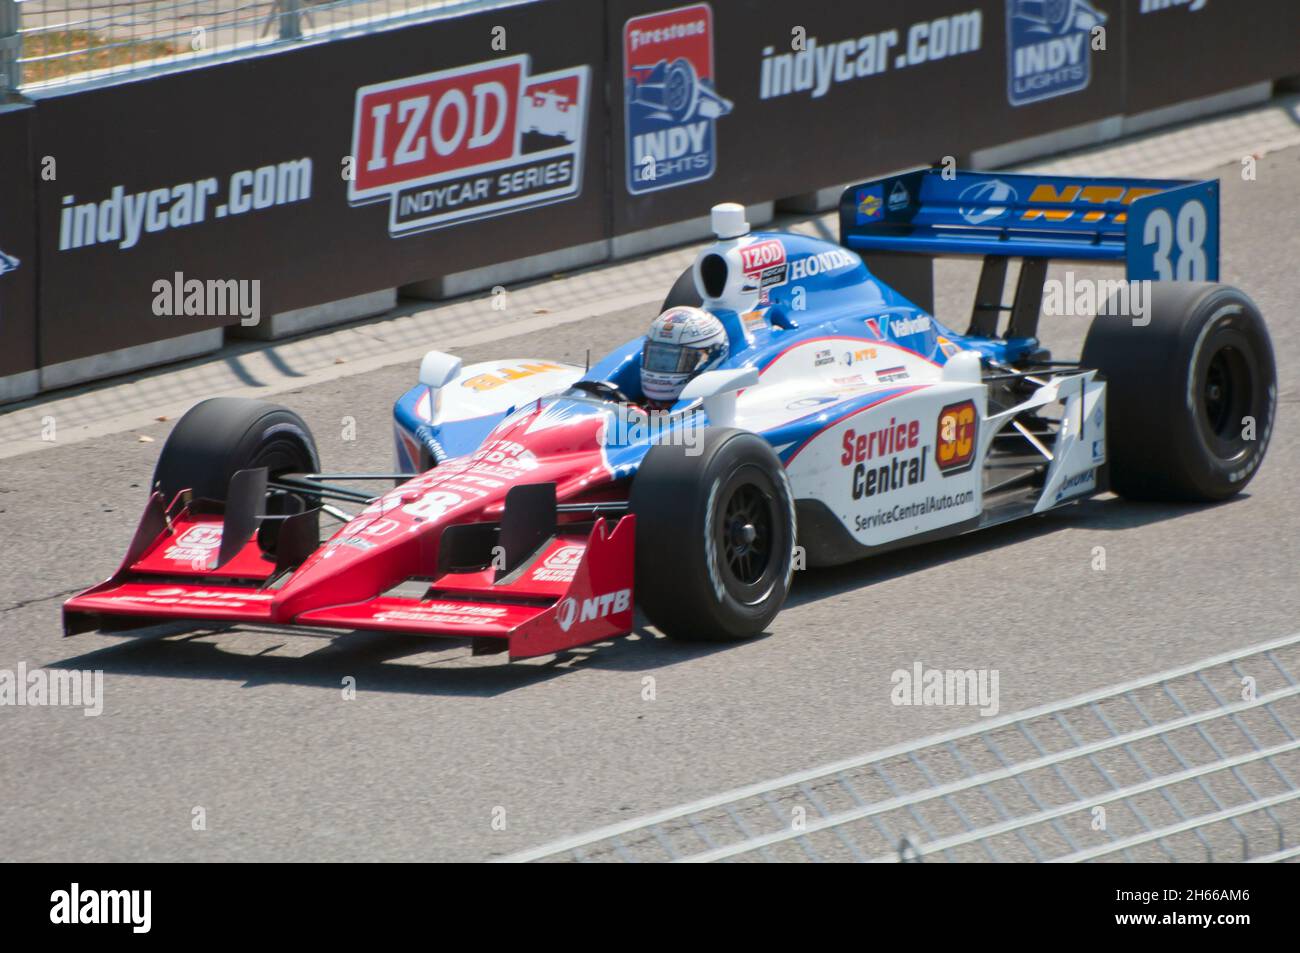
column 800, row 777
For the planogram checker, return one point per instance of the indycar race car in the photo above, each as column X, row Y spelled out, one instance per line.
column 539, row 503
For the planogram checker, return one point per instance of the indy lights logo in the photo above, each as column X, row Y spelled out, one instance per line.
column 670, row 99
column 469, row 142
column 1048, row 48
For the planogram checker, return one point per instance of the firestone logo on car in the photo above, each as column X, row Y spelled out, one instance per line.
column 670, row 98
column 468, row 143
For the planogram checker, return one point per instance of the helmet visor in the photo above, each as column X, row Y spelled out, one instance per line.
column 664, row 358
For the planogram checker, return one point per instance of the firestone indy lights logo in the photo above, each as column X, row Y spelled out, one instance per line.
column 1048, row 48
column 469, row 142
column 7, row 263
column 671, row 102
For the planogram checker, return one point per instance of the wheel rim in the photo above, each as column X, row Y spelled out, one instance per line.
column 281, row 456
column 748, row 537
column 678, row 90
column 1226, row 397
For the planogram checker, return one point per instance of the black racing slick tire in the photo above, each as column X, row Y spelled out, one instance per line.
column 683, row 293
column 1190, row 397
column 222, row 435
column 715, row 536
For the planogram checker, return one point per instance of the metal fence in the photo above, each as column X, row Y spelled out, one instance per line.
column 55, row 42
column 1198, row 763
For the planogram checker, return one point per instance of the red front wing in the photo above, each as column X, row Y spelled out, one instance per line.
column 576, row 589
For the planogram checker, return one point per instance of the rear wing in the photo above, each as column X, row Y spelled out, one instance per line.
column 1161, row 229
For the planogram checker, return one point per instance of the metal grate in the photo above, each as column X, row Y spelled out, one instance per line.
column 66, row 41
column 1198, row 763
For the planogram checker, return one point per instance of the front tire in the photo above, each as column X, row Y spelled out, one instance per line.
column 222, row 435
column 1190, row 396
column 715, row 537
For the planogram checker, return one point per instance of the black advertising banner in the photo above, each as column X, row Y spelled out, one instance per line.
column 17, row 242
column 1182, row 49
column 281, row 181
column 218, row 195
column 750, row 100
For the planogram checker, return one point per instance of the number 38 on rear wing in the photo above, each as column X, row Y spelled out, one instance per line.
column 1161, row 229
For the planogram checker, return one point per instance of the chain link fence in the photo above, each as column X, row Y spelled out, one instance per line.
column 46, row 43
column 1198, row 763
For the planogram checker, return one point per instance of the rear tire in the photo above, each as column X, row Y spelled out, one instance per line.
column 683, row 293
column 1182, row 390
column 222, row 435
column 715, row 537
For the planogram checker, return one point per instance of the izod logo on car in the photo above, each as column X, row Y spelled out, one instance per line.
column 764, row 266
column 469, row 142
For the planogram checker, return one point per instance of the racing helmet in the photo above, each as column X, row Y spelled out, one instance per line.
column 681, row 343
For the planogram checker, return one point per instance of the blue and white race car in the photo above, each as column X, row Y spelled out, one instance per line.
column 845, row 420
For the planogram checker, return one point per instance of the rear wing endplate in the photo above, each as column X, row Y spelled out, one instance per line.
column 1161, row 229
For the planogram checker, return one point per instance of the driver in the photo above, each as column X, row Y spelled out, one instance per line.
column 681, row 343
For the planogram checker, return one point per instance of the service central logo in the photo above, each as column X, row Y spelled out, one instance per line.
column 1049, row 48
column 469, row 142
column 670, row 99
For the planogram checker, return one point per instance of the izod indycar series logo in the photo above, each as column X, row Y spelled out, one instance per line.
column 764, row 266
column 469, row 142
column 670, row 98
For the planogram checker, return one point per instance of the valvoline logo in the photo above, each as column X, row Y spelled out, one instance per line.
column 671, row 102
column 1049, row 48
column 469, row 142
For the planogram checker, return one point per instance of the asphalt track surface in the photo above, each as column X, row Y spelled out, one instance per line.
column 438, row 749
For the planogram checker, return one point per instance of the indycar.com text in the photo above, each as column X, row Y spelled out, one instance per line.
column 822, row 63
column 124, row 217
column 906, row 511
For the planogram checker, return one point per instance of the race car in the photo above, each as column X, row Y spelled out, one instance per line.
column 819, row 416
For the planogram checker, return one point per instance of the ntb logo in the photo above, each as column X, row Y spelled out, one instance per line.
column 1048, row 48
column 671, row 102
column 570, row 610
column 469, row 142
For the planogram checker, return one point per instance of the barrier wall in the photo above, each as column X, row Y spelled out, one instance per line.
column 401, row 156
column 314, row 172
column 17, row 255
column 874, row 87
column 1184, row 49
